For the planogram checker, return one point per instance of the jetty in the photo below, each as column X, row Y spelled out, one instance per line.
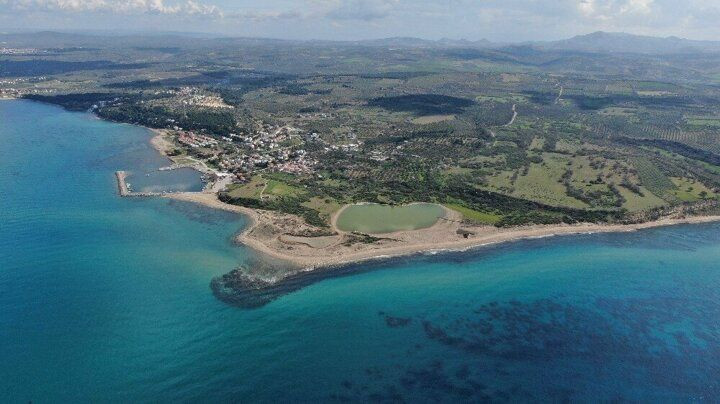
column 122, row 184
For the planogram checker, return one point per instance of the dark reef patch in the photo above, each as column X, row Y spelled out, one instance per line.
column 648, row 332
column 238, row 289
column 394, row 322
column 667, row 344
column 243, row 287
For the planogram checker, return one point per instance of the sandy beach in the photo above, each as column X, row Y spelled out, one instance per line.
column 160, row 141
column 266, row 230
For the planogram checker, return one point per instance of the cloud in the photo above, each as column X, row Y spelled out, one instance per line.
column 606, row 10
column 184, row 7
column 148, row 7
column 259, row 16
column 333, row 10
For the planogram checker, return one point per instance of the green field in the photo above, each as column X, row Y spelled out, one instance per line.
column 542, row 183
column 654, row 179
column 474, row 216
column 690, row 190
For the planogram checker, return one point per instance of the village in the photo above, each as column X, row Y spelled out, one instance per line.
column 21, row 51
column 20, row 86
column 272, row 148
column 9, row 93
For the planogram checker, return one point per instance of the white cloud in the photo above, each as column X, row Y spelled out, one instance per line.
column 637, row 6
column 607, row 10
column 259, row 16
column 186, row 7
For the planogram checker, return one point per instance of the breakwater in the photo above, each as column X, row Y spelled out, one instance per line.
column 122, row 184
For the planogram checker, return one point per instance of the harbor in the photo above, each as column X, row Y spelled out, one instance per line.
column 125, row 190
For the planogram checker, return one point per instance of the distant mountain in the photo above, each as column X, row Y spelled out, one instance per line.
column 48, row 38
column 597, row 42
column 409, row 42
column 52, row 39
column 101, row 39
column 605, row 42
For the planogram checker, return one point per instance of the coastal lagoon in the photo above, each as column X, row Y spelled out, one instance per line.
column 377, row 219
column 105, row 298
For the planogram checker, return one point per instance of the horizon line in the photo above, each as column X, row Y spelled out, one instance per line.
column 210, row 35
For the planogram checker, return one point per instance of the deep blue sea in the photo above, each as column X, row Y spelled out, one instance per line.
column 105, row 299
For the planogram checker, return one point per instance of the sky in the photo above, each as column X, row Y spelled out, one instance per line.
column 496, row 20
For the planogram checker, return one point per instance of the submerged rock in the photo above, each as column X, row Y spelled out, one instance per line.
column 239, row 289
column 242, row 288
column 394, row 322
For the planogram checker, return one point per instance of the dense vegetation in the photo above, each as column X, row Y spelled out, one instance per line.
column 216, row 122
column 77, row 102
column 41, row 67
column 422, row 104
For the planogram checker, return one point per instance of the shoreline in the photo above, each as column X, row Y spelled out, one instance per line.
column 322, row 258
column 284, row 237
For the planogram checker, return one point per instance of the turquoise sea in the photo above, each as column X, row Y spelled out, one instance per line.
column 104, row 299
